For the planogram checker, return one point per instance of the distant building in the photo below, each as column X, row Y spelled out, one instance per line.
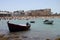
column 41, row 12
column 28, row 13
column 5, row 14
column 18, row 13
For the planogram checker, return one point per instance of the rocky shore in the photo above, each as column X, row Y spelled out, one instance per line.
column 22, row 37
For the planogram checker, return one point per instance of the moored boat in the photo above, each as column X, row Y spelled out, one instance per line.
column 32, row 21
column 15, row 27
column 48, row 22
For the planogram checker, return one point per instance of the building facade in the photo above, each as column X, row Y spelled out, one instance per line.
column 41, row 12
column 5, row 14
column 18, row 13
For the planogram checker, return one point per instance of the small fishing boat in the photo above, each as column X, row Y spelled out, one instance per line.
column 14, row 27
column 32, row 21
column 48, row 22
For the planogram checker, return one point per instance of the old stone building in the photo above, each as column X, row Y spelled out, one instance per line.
column 41, row 12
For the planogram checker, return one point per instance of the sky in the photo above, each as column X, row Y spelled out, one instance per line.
column 13, row 5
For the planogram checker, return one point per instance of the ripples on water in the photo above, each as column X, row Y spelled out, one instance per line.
column 38, row 30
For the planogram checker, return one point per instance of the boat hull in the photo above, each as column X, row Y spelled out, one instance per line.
column 15, row 28
column 48, row 23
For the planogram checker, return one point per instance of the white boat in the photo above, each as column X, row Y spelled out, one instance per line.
column 48, row 22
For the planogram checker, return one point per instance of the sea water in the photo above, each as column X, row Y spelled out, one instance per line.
column 38, row 30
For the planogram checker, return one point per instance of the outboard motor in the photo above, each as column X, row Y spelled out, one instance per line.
column 27, row 23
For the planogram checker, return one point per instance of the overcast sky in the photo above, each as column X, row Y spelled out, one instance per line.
column 13, row 5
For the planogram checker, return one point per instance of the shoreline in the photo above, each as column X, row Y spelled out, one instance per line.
column 15, row 36
column 28, row 17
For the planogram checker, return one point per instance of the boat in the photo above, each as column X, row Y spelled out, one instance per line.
column 48, row 22
column 18, row 27
column 32, row 21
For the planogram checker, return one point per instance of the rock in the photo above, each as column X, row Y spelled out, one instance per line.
column 57, row 39
column 1, row 35
column 17, row 39
column 24, row 37
column 12, row 37
column 47, row 39
column 4, row 38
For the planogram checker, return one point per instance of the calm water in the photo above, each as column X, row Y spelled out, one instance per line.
column 38, row 29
